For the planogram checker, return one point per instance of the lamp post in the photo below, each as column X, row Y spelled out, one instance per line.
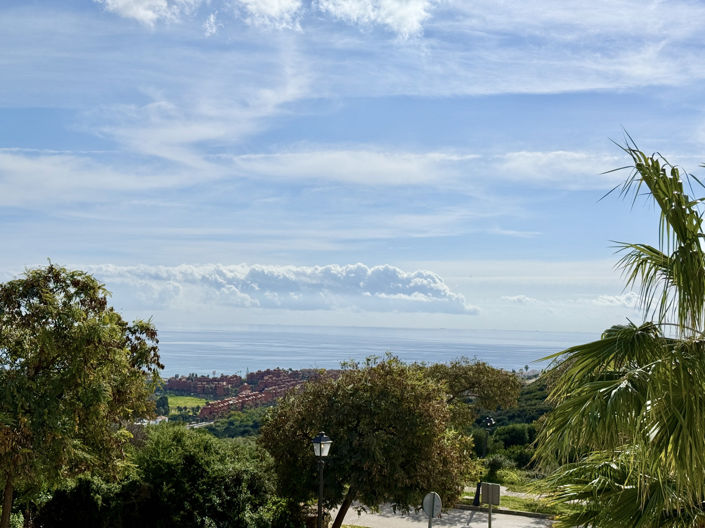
column 321, row 446
column 489, row 423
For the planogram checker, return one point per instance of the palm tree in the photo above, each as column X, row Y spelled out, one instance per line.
column 628, row 429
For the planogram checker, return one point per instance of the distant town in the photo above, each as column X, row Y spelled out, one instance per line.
column 226, row 393
column 235, row 393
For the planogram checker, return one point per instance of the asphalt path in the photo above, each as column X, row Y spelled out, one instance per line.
column 386, row 518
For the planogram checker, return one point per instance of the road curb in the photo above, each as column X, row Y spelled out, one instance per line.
column 533, row 515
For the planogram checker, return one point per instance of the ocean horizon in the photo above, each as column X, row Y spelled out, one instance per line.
column 245, row 349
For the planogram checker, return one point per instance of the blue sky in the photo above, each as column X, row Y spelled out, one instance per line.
column 434, row 163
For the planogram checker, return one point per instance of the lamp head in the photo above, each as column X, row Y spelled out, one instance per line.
column 321, row 445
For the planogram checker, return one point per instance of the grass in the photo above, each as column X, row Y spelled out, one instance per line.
column 528, row 505
column 521, row 480
column 525, row 504
column 184, row 401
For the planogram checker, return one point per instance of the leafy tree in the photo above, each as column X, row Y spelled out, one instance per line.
column 474, row 386
column 90, row 502
column 391, row 441
column 163, row 405
column 72, row 373
column 628, row 425
column 189, row 478
column 531, row 405
column 515, row 434
column 239, row 423
column 183, row 478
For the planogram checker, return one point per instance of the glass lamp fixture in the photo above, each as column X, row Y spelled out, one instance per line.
column 321, row 445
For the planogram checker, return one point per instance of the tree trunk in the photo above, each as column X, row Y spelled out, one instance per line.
column 7, row 503
column 347, row 501
column 28, row 517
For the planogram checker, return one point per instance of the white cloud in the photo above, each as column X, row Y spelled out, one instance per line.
column 29, row 177
column 280, row 14
column 366, row 165
column 471, row 48
column 361, row 166
column 404, row 17
column 519, row 299
column 180, row 124
column 150, row 12
column 357, row 287
column 574, row 21
column 627, row 300
column 565, row 169
column 211, row 25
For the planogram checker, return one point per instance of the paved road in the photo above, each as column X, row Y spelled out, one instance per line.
column 386, row 518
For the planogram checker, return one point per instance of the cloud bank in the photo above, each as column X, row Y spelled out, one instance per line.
column 149, row 12
column 403, row 17
column 627, row 300
column 280, row 14
column 332, row 287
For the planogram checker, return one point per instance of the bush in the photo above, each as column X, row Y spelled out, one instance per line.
column 484, row 443
column 521, row 455
column 194, row 479
column 90, row 502
column 497, row 462
column 530, row 407
column 286, row 513
column 515, row 434
column 183, row 478
column 239, row 423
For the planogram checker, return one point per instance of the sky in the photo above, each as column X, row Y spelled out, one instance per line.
column 406, row 163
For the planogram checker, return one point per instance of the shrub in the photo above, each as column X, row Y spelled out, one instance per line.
column 484, row 443
column 515, row 434
column 497, row 462
column 286, row 513
column 520, row 455
column 183, row 478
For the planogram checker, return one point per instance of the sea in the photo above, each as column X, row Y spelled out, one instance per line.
column 244, row 349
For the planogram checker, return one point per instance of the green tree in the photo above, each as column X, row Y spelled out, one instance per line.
column 628, row 423
column 238, row 423
column 190, row 478
column 391, row 442
column 473, row 386
column 72, row 374
column 182, row 477
column 163, row 405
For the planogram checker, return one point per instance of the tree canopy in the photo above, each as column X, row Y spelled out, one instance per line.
column 474, row 386
column 390, row 424
column 73, row 373
column 628, row 423
column 182, row 477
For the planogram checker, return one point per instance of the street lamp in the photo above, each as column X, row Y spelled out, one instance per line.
column 321, row 446
column 489, row 423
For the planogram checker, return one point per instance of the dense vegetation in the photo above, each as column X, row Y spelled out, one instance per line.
column 72, row 374
column 531, row 405
column 512, row 431
column 392, row 425
column 239, row 423
column 77, row 379
column 181, row 478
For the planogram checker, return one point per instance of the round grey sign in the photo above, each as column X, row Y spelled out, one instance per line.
column 432, row 504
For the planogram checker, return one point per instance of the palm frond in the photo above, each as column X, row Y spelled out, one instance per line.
column 674, row 275
column 614, row 495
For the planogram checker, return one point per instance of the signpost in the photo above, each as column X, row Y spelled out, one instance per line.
column 489, row 494
column 432, row 506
